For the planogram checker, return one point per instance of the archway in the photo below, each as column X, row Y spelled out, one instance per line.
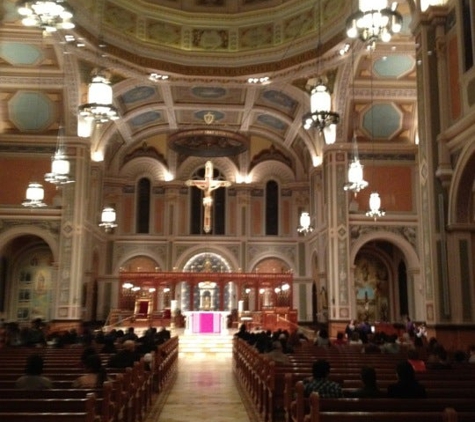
column 381, row 290
column 27, row 284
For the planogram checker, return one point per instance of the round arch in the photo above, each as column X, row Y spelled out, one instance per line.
column 406, row 249
column 461, row 188
column 135, row 254
column 181, row 261
column 253, row 264
column 405, row 246
column 19, row 231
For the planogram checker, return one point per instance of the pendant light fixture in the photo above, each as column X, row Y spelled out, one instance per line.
column 60, row 165
column 49, row 15
column 305, row 227
column 374, row 21
column 108, row 219
column 99, row 107
column 375, row 210
column 321, row 115
column 356, row 181
column 34, row 196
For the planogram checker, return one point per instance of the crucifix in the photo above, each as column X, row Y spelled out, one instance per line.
column 207, row 185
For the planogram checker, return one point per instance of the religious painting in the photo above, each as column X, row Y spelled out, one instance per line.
column 372, row 289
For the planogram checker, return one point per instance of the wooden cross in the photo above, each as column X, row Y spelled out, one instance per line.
column 207, row 185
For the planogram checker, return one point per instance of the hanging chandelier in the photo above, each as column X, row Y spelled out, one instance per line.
column 321, row 117
column 305, row 226
column 34, row 196
column 108, row 218
column 375, row 210
column 48, row 15
column 355, row 172
column 374, row 21
column 99, row 107
column 60, row 166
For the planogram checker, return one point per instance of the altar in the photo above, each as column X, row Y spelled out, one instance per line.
column 204, row 322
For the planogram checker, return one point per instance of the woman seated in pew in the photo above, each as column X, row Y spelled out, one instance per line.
column 370, row 386
column 319, row 383
column 95, row 375
column 407, row 386
column 33, row 380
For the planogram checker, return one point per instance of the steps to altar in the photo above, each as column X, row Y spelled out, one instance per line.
column 198, row 345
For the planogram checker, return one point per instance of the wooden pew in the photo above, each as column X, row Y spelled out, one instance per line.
column 68, row 400
column 264, row 381
column 387, row 410
column 87, row 414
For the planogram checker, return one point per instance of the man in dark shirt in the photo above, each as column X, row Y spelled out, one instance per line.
column 126, row 357
column 33, row 380
column 407, row 387
column 319, row 383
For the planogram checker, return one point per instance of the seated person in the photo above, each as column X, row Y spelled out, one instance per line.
column 126, row 357
column 355, row 339
column 33, row 380
column 407, row 387
column 340, row 339
column 391, row 346
column 370, row 387
column 322, row 339
column 440, row 360
column 95, row 373
column 471, row 354
column 319, row 383
column 416, row 362
column 277, row 354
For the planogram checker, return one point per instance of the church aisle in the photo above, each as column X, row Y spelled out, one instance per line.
column 205, row 390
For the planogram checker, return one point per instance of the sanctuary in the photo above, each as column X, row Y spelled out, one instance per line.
column 213, row 301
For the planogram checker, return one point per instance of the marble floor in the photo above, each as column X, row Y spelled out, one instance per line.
column 205, row 389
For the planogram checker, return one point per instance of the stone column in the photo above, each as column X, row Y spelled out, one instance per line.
column 72, row 240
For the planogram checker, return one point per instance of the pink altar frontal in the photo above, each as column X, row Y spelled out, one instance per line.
column 206, row 322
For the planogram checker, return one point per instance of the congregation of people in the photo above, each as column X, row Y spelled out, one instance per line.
column 418, row 354
column 100, row 351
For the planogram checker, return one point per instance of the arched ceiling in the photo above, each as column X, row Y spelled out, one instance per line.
column 208, row 49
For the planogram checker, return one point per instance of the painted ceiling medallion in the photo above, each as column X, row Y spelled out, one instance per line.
column 208, row 143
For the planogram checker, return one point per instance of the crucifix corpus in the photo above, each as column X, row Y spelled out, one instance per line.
column 207, row 185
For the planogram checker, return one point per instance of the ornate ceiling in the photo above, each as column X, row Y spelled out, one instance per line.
column 208, row 50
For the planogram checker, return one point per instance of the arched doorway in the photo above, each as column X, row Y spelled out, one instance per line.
column 382, row 293
column 28, row 279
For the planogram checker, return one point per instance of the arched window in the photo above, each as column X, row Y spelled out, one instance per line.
column 143, row 206
column 218, row 209
column 272, row 208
